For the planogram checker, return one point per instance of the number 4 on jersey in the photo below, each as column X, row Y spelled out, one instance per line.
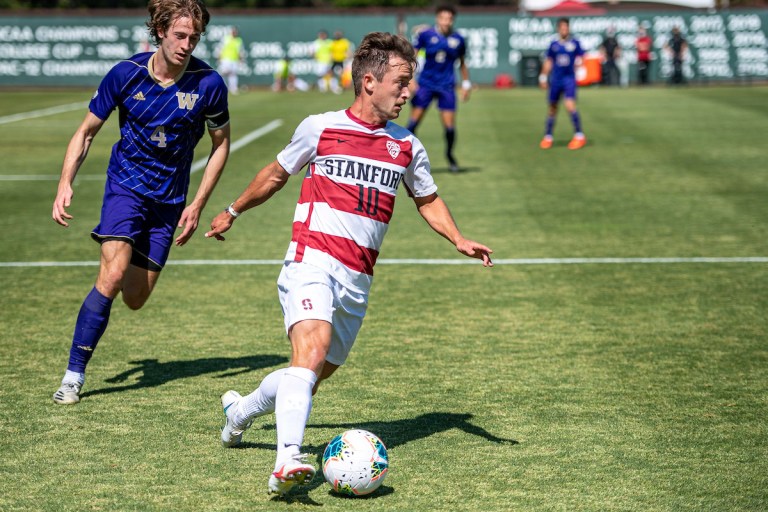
column 159, row 136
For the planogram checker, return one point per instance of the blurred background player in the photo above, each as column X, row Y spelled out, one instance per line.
column 286, row 79
column 644, row 45
column 677, row 46
column 165, row 99
column 442, row 48
column 231, row 56
column 340, row 222
column 420, row 55
column 559, row 71
column 321, row 48
column 610, row 51
column 341, row 52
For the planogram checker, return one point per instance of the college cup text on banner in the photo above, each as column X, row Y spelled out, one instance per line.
column 79, row 50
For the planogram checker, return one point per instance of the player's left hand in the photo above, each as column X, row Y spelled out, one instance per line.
column 465, row 93
column 220, row 224
column 188, row 221
column 475, row 250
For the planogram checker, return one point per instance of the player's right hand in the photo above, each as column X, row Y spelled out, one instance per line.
column 220, row 224
column 60, row 205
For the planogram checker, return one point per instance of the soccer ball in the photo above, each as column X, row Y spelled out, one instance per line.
column 355, row 463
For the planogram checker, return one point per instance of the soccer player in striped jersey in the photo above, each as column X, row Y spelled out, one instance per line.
column 164, row 101
column 559, row 71
column 443, row 47
column 355, row 161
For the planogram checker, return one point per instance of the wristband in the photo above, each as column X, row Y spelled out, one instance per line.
column 466, row 85
column 542, row 78
column 231, row 210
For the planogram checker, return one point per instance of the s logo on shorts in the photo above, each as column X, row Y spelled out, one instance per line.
column 307, row 304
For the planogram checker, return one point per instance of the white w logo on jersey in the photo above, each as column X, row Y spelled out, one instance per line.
column 187, row 100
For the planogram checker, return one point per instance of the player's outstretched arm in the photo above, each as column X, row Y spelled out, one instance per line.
column 268, row 181
column 434, row 210
column 544, row 75
column 466, row 84
column 77, row 150
column 190, row 217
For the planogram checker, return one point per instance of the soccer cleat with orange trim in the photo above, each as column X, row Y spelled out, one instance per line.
column 545, row 143
column 577, row 142
column 295, row 471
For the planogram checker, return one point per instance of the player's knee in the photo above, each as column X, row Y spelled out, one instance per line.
column 110, row 281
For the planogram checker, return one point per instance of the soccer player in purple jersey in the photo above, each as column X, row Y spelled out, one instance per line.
column 164, row 100
column 442, row 47
column 559, row 70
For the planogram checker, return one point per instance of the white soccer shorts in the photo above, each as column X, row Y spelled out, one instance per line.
column 308, row 293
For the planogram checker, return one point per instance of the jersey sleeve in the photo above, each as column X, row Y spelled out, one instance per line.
column 418, row 178
column 105, row 100
column 579, row 50
column 418, row 41
column 551, row 51
column 303, row 146
column 217, row 110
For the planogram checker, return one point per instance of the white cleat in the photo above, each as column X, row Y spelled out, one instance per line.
column 68, row 393
column 232, row 433
column 296, row 471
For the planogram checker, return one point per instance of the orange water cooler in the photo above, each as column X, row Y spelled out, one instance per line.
column 590, row 72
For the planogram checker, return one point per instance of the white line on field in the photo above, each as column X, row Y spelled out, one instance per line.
column 49, row 177
column 198, row 165
column 23, row 116
column 530, row 261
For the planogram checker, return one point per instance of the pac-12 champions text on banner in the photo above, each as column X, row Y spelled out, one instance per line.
column 79, row 50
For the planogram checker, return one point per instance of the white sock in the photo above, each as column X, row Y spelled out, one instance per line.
column 261, row 401
column 292, row 406
column 78, row 378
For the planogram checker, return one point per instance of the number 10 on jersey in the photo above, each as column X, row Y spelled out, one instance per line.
column 368, row 200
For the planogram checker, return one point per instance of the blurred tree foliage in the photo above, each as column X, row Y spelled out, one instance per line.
column 322, row 4
column 244, row 4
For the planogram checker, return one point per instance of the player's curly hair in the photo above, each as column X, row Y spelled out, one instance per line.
column 373, row 54
column 162, row 13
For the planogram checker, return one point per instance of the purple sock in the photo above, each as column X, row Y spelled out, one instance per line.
column 576, row 120
column 91, row 323
column 550, row 125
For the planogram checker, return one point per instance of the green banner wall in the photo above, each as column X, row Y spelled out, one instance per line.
column 77, row 51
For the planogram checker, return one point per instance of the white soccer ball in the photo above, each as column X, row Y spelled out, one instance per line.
column 355, row 463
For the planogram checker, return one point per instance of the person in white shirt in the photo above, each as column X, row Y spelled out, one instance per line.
column 355, row 160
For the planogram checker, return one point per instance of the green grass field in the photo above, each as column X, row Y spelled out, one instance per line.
column 528, row 386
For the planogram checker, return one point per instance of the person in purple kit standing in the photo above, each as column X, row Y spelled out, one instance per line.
column 559, row 72
column 442, row 48
column 165, row 99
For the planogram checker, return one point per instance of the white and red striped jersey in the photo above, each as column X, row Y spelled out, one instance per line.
column 349, row 189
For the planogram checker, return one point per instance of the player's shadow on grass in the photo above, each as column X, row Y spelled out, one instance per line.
column 399, row 432
column 154, row 373
column 393, row 433
column 447, row 170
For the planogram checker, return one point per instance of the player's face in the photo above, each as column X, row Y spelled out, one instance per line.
column 391, row 93
column 444, row 22
column 179, row 41
column 563, row 30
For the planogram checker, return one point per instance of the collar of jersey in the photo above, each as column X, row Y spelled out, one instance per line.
column 363, row 123
column 150, row 66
